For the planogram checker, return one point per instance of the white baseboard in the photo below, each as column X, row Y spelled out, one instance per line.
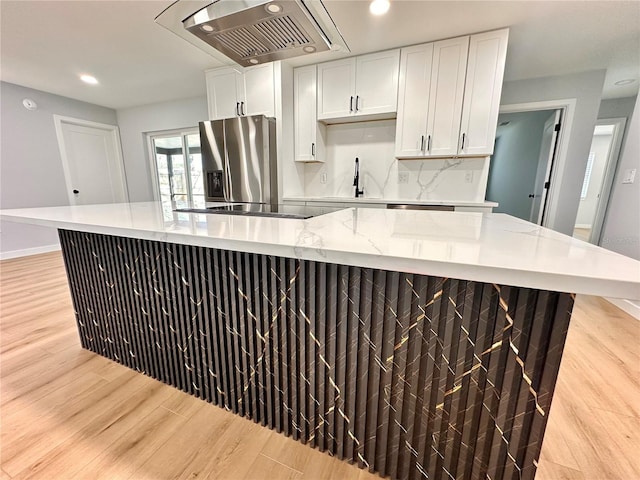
column 626, row 306
column 29, row 251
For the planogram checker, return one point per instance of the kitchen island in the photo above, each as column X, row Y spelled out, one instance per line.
column 415, row 344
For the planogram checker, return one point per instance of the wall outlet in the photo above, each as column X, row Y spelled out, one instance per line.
column 468, row 177
column 629, row 176
column 323, row 178
column 403, row 177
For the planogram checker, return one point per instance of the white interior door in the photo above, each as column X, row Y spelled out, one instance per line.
column 543, row 175
column 92, row 162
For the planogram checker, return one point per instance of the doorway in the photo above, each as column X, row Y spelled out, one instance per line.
column 92, row 161
column 523, row 163
column 598, row 179
column 177, row 163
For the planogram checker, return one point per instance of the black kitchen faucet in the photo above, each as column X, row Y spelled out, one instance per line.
column 356, row 180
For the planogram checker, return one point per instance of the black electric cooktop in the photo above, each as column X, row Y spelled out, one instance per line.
column 299, row 212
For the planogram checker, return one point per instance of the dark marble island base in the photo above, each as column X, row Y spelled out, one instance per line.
column 410, row 376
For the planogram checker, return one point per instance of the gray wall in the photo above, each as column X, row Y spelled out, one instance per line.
column 31, row 172
column 586, row 88
column 514, row 164
column 621, row 232
column 617, row 107
column 135, row 122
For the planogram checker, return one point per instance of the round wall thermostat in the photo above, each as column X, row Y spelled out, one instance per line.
column 29, row 104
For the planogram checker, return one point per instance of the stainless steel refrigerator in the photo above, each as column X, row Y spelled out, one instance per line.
column 239, row 159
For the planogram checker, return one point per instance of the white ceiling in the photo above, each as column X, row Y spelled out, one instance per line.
column 47, row 44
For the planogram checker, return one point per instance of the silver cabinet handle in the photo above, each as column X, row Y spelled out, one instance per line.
column 351, row 104
column 357, row 102
column 313, row 149
column 238, row 109
column 428, row 143
column 463, row 137
column 422, row 143
column 242, row 108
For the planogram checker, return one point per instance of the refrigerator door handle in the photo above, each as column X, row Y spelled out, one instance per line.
column 226, row 175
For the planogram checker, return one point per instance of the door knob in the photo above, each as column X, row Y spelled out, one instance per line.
column 531, row 195
column 76, row 192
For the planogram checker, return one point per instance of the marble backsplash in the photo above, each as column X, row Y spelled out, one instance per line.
column 382, row 176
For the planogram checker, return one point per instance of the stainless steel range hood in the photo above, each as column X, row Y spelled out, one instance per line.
column 252, row 32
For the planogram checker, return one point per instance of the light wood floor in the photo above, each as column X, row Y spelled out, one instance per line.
column 67, row 413
column 582, row 233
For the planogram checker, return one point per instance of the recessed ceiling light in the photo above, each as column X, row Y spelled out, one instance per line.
column 626, row 81
column 89, row 79
column 379, row 7
column 207, row 28
column 309, row 49
column 253, row 61
column 274, row 8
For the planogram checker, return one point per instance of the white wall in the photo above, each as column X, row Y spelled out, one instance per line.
column 31, row 172
column 380, row 172
column 621, row 232
column 588, row 205
column 586, row 88
column 135, row 122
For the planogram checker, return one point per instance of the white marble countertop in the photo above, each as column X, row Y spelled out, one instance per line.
column 401, row 201
column 484, row 247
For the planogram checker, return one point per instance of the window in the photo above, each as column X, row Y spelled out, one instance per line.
column 178, row 165
column 587, row 176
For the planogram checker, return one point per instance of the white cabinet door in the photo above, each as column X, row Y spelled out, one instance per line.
column 232, row 93
column 446, row 95
column 336, row 84
column 259, row 91
column 413, row 101
column 223, row 87
column 309, row 138
column 377, row 83
column 483, row 86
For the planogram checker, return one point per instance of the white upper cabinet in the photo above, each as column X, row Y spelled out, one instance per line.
column 223, row 91
column 445, row 96
column 232, row 92
column 460, row 81
column 483, row 86
column 259, row 96
column 413, row 100
column 355, row 87
column 309, row 134
column 377, row 83
column 337, row 84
